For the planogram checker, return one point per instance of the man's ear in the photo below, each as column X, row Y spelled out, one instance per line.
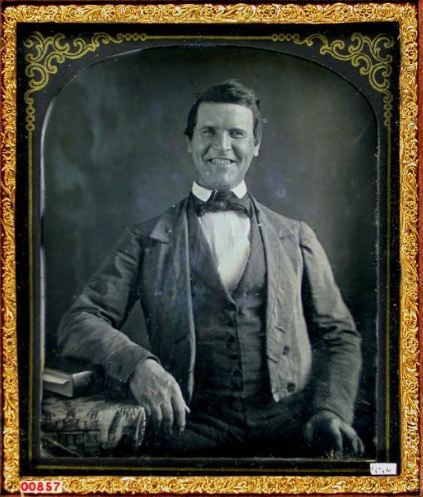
column 257, row 143
column 188, row 139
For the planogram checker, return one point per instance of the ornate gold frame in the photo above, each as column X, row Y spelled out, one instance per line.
column 405, row 15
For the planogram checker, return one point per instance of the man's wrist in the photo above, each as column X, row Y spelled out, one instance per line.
column 140, row 363
column 331, row 411
column 323, row 414
column 328, row 413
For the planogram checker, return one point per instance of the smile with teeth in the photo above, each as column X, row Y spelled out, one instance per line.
column 221, row 162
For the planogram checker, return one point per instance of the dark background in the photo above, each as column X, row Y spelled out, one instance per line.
column 114, row 154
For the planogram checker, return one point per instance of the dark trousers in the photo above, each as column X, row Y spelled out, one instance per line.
column 228, row 426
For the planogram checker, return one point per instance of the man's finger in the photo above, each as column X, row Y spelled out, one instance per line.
column 361, row 447
column 167, row 412
column 156, row 417
column 147, row 410
column 348, row 431
column 354, row 440
column 336, row 436
column 308, row 432
column 356, row 446
column 179, row 410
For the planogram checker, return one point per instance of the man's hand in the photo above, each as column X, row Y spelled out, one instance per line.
column 329, row 436
column 159, row 393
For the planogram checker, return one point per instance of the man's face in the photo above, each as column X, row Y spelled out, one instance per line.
column 222, row 145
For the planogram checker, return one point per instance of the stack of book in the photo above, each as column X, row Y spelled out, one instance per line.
column 81, row 415
column 72, row 384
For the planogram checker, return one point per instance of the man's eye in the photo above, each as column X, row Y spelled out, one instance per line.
column 206, row 132
column 237, row 133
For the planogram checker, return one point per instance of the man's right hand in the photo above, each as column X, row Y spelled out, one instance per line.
column 159, row 393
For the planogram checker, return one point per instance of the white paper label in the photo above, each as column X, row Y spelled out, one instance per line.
column 383, row 468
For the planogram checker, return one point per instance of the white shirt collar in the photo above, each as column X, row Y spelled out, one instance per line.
column 204, row 193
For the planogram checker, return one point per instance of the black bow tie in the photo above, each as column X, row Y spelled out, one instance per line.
column 224, row 201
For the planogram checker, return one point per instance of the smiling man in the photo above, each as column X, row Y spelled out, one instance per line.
column 253, row 350
column 222, row 143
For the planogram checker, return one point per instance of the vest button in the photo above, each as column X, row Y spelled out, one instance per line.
column 286, row 350
column 290, row 387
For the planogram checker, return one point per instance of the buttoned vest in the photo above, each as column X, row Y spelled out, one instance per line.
column 229, row 328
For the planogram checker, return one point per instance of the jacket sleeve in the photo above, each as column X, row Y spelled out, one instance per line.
column 90, row 329
column 335, row 342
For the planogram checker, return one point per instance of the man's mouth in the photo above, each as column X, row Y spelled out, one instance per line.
column 221, row 162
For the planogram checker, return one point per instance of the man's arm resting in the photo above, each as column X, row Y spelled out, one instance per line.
column 90, row 330
column 333, row 335
column 86, row 337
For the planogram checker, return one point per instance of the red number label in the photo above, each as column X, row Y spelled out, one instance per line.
column 41, row 487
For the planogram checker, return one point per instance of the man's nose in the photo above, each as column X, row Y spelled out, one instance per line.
column 223, row 141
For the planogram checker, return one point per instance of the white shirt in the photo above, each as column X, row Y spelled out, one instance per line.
column 227, row 233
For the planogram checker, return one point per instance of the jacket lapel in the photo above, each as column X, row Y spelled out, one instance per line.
column 170, row 272
column 280, row 247
column 171, row 229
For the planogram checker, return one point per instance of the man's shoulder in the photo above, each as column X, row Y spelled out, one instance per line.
column 282, row 224
column 163, row 223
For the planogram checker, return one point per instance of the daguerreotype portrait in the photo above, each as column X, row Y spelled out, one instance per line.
column 214, row 286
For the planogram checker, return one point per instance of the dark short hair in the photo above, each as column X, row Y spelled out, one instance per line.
column 231, row 91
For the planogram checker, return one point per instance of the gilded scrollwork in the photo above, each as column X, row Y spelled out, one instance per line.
column 44, row 55
column 371, row 57
column 8, row 275
column 48, row 52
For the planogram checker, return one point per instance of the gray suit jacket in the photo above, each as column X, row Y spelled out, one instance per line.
column 305, row 311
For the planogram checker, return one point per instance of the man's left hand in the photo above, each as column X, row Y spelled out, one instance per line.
column 328, row 435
